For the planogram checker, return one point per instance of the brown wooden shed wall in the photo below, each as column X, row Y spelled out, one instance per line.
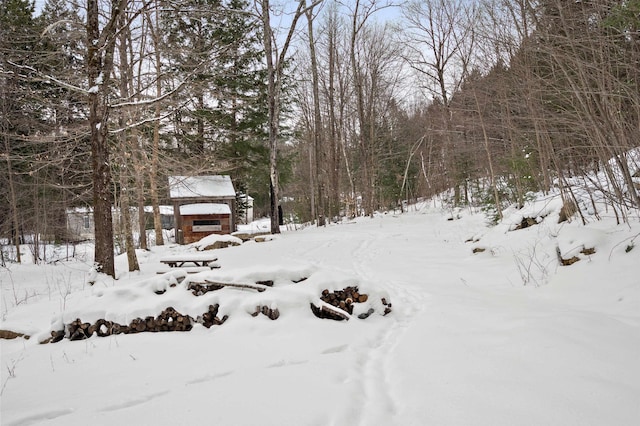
column 189, row 236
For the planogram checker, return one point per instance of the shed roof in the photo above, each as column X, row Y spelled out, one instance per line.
column 204, row 209
column 213, row 186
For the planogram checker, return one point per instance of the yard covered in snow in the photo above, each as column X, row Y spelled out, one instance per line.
column 486, row 328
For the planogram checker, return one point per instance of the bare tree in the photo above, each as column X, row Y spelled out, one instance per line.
column 101, row 43
column 439, row 42
column 153, row 23
column 275, row 60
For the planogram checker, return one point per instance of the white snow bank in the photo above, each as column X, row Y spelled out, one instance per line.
column 210, row 240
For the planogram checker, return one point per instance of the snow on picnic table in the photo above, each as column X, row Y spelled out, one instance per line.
column 467, row 342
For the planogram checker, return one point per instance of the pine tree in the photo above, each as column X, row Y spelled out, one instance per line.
column 239, row 118
column 191, row 31
column 20, row 112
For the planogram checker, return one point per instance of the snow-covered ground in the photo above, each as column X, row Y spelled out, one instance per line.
column 504, row 336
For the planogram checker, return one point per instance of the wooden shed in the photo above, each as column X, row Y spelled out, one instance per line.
column 202, row 205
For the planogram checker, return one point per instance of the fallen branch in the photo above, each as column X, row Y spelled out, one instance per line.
column 259, row 288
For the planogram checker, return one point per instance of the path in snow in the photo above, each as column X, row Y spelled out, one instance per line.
column 468, row 340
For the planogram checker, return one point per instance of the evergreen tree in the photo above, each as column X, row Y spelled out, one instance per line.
column 191, row 31
column 20, row 111
column 222, row 112
column 62, row 44
column 239, row 118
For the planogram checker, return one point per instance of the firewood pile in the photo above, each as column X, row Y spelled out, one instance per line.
column 339, row 304
column 344, row 299
column 168, row 320
column 336, row 305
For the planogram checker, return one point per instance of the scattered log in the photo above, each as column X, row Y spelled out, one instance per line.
column 570, row 261
column 210, row 318
column 57, row 335
column 526, row 222
column 588, row 251
column 367, row 314
column 8, row 334
column 563, row 261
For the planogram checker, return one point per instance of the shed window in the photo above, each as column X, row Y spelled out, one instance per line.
column 205, row 222
column 206, row 225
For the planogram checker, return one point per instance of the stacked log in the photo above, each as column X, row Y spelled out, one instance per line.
column 210, row 317
column 342, row 302
column 168, row 320
column 78, row 330
column 272, row 314
column 344, row 299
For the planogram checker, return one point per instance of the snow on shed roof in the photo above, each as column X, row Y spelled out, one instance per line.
column 204, row 208
column 215, row 186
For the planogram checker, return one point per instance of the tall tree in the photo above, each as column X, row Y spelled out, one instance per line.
column 19, row 113
column 101, row 42
column 275, row 59
column 239, row 118
column 191, row 31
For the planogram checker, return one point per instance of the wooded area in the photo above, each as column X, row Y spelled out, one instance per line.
column 327, row 109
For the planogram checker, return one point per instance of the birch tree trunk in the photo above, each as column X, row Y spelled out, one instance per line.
column 154, row 26
column 275, row 61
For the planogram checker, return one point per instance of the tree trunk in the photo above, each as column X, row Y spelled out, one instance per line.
column 100, row 48
column 155, row 158
column 142, row 219
column 275, row 69
column 15, row 223
column 318, row 149
column 126, row 147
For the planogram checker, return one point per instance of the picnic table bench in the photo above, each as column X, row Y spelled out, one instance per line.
column 198, row 259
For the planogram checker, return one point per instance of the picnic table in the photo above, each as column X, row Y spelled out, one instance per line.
column 198, row 259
